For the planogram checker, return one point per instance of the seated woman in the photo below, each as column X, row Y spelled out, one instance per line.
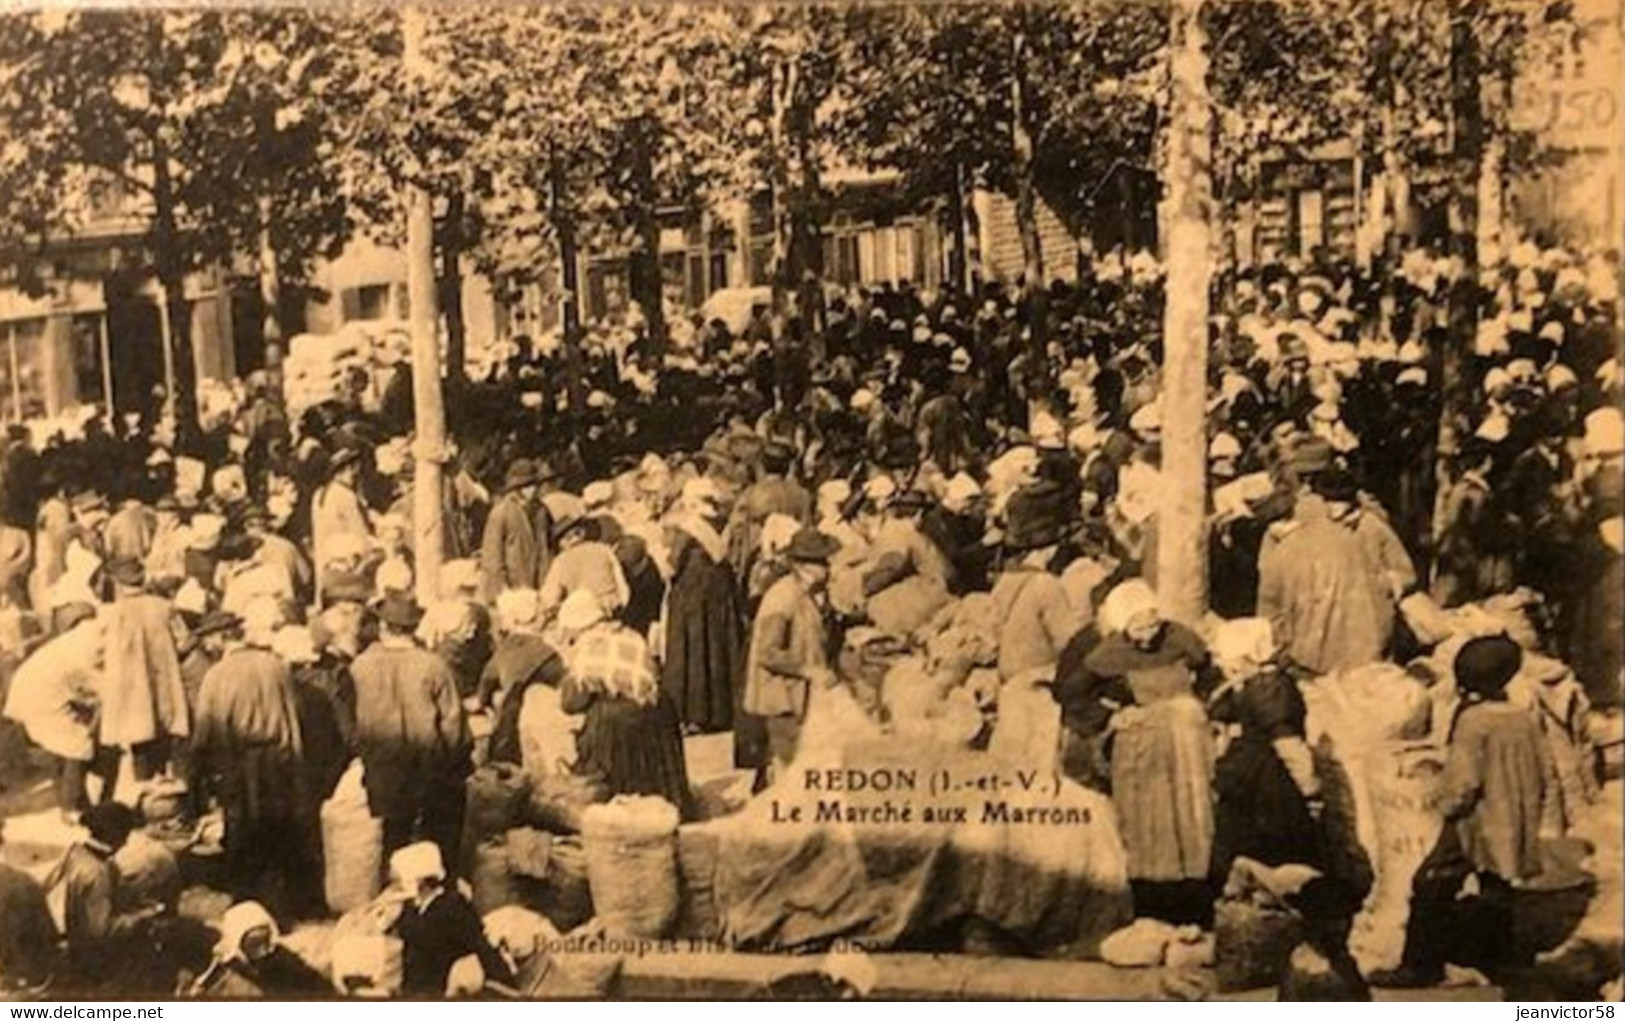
column 631, row 737
column 1147, row 673
column 86, row 881
column 438, row 928
column 1265, row 785
column 250, row 964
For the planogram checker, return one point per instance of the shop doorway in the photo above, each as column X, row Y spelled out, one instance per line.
column 135, row 345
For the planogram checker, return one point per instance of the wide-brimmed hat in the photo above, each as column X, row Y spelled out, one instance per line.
column 342, row 458
column 810, row 546
column 911, row 500
column 345, row 587
column 127, row 571
column 1311, row 454
column 88, row 502
column 1035, row 517
column 399, row 610
column 255, row 515
column 215, row 622
column 568, row 522
column 521, row 473
column 1338, row 485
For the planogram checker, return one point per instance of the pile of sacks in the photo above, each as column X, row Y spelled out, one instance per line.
column 318, row 367
column 1372, row 730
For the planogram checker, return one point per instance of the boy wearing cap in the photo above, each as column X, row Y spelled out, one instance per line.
column 1490, row 796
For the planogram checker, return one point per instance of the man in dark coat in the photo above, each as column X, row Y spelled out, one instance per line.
column 248, row 749
column 1475, row 554
column 411, row 734
column 774, row 492
column 958, row 527
column 514, row 551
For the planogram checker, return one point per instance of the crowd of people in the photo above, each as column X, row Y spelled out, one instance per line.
column 235, row 606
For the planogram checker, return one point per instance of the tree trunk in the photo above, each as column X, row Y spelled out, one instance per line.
column 1467, row 126
column 1182, row 538
column 564, row 228
column 270, row 279
column 429, row 446
column 1371, row 239
column 1226, row 211
column 1386, row 195
column 807, row 229
column 451, row 292
column 180, row 384
column 649, row 281
column 783, row 95
column 973, row 242
column 954, row 219
column 1493, row 230
column 1032, row 249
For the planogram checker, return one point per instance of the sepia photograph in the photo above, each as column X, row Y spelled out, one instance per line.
column 1110, row 500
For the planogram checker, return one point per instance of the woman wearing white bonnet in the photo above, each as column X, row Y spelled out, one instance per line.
column 580, row 612
column 768, row 565
column 250, row 963
column 1138, row 690
column 834, row 519
column 631, row 739
column 1266, row 791
column 702, row 634
column 439, row 929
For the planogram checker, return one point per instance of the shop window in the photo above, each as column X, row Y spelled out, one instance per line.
column 884, row 244
column 761, row 261
column 22, row 390
column 370, row 302
column 1311, row 210
column 89, row 383
column 672, row 267
column 906, row 252
column 696, row 293
column 760, row 215
column 846, row 259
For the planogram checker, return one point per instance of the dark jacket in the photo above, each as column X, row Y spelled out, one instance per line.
column 438, row 936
